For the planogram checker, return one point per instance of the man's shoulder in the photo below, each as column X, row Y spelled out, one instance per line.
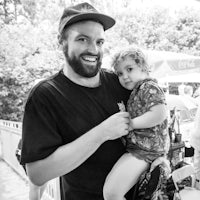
column 41, row 86
column 107, row 71
column 108, row 74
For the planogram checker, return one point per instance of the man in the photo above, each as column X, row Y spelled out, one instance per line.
column 72, row 122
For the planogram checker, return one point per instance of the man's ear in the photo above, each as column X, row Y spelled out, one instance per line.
column 60, row 40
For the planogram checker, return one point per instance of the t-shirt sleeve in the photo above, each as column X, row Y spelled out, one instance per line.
column 152, row 94
column 40, row 136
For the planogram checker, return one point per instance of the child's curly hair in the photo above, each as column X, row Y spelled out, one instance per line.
column 135, row 53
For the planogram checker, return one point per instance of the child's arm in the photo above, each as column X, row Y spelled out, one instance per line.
column 155, row 116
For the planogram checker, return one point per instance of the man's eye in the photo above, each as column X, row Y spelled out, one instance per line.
column 100, row 43
column 82, row 39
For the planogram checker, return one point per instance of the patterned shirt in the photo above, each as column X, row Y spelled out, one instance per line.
column 155, row 140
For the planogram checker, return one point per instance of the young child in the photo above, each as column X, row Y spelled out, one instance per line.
column 148, row 137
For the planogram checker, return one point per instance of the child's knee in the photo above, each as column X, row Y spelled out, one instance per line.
column 110, row 193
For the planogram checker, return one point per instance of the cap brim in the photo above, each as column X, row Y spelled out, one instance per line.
column 105, row 20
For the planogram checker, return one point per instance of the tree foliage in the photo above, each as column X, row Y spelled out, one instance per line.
column 29, row 49
column 156, row 28
column 27, row 52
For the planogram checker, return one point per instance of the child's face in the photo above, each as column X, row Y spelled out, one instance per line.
column 129, row 73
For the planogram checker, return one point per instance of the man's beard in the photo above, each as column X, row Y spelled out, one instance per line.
column 83, row 70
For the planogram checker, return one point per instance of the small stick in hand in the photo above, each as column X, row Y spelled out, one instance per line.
column 121, row 106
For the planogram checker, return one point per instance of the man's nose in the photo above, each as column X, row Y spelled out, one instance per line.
column 93, row 48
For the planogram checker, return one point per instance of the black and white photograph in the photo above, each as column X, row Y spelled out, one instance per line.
column 99, row 100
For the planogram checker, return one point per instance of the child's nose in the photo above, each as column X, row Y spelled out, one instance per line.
column 125, row 76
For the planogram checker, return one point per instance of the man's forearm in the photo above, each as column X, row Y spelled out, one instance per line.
column 65, row 158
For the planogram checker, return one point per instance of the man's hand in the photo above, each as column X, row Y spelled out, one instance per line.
column 115, row 126
column 164, row 162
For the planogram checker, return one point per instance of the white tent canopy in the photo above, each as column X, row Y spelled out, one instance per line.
column 166, row 64
column 190, row 78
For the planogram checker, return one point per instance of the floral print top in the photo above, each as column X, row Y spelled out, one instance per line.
column 145, row 95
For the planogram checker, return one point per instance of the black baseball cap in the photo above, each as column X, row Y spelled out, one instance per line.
column 84, row 11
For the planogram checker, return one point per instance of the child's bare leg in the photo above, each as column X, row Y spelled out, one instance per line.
column 36, row 192
column 123, row 176
column 42, row 189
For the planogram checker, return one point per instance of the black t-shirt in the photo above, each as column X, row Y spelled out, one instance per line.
column 59, row 111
